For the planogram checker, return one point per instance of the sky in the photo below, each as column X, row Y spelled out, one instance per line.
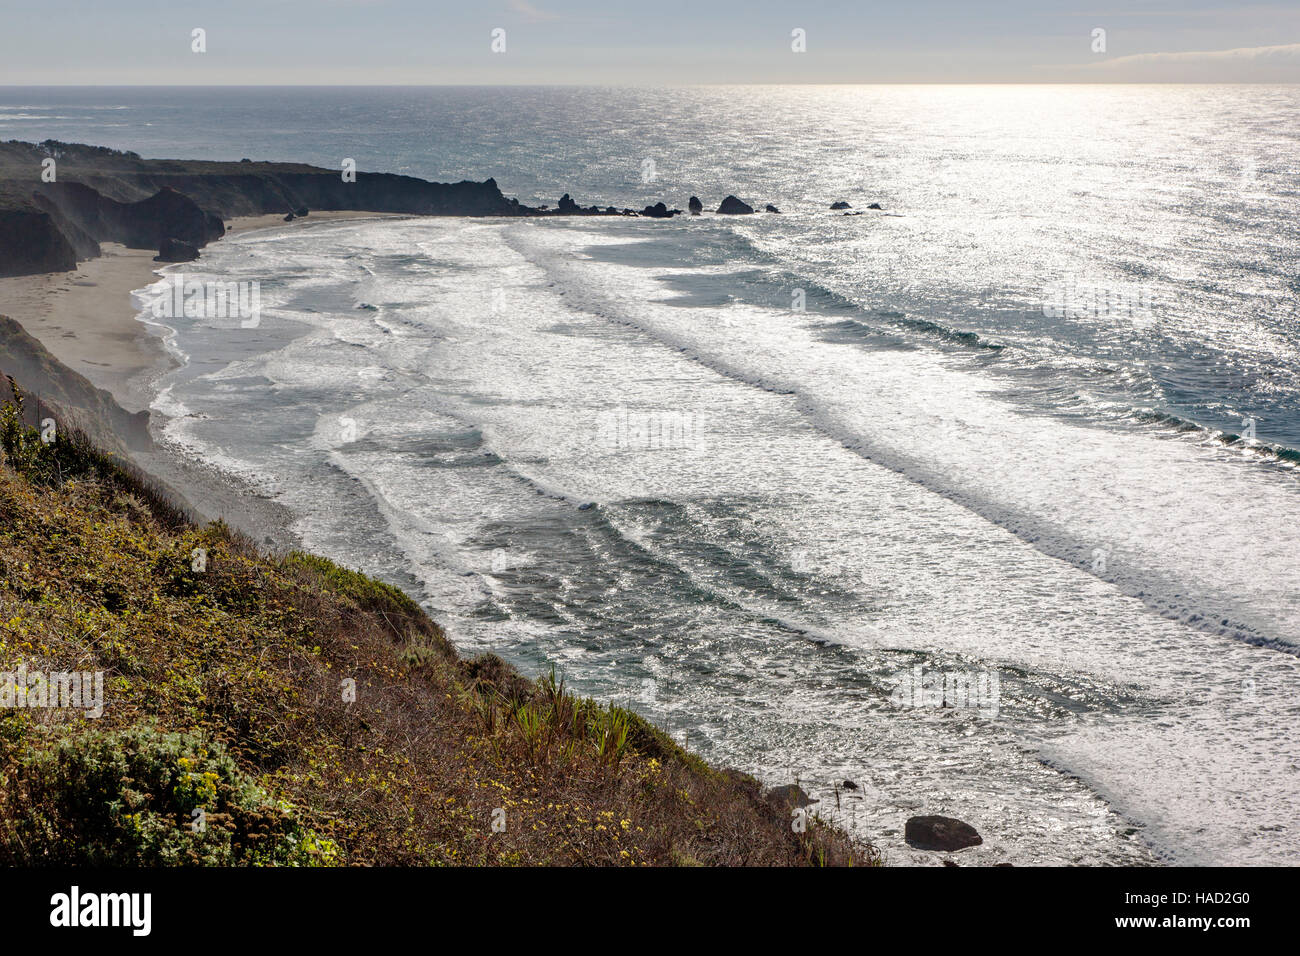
column 650, row 42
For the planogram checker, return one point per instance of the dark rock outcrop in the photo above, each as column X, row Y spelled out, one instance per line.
column 874, row 205
column 32, row 241
column 105, row 195
column 940, row 833
column 840, row 205
column 731, row 206
column 143, row 224
column 176, row 250
column 771, row 208
column 695, row 206
column 108, row 196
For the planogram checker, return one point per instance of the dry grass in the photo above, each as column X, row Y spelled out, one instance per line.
column 248, row 661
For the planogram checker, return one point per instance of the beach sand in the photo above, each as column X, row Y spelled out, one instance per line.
column 87, row 319
column 246, row 223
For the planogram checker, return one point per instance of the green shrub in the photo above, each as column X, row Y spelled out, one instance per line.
column 366, row 592
column 71, row 454
column 140, row 797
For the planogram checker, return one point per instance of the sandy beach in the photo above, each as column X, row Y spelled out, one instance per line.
column 87, row 318
column 249, row 223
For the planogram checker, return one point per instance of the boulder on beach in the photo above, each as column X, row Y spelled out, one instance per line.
column 658, row 211
column 840, row 205
column 731, row 206
column 940, row 833
column 849, row 785
column 789, row 797
column 771, row 208
column 875, row 205
column 288, row 217
column 301, row 211
column 176, row 250
column 695, row 206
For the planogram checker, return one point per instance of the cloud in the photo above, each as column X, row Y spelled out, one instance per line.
column 1255, row 64
column 527, row 10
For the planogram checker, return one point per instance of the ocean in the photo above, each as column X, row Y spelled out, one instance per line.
column 984, row 501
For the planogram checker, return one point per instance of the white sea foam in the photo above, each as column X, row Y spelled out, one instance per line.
column 476, row 417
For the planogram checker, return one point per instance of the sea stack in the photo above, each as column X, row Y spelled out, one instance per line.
column 731, row 206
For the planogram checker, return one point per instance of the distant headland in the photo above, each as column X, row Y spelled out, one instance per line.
column 59, row 201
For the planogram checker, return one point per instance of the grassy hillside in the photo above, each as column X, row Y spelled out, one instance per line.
column 226, row 688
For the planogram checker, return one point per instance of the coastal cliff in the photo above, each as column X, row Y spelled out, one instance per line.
column 235, row 708
column 304, row 713
column 103, row 195
column 69, row 397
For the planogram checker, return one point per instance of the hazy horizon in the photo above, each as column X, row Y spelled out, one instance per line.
column 434, row 86
column 580, row 42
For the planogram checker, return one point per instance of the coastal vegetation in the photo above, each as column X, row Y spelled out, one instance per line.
column 283, row 710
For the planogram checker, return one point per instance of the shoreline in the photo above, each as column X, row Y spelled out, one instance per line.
column 85, row 316
column 88, row 319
